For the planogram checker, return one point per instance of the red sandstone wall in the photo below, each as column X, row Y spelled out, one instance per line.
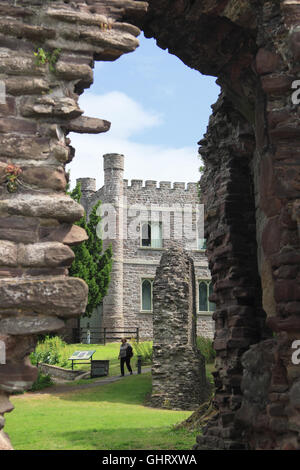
column 251, row 190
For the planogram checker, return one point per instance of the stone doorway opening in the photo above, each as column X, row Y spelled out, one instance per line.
column 250, row 186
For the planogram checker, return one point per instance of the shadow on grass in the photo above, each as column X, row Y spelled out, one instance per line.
column 160, row 438
column 131, row 390
column 128, row 390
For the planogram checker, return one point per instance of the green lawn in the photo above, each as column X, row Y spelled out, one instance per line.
column 110, row 351
column 106, row 417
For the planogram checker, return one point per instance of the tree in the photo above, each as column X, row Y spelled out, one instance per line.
column 91, row 263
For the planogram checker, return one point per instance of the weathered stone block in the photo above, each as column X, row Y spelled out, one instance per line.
column 9, row 107
column 45, row 254
column 266, row 61
column 30, row 325
column 5, row 443
column 87, row 125
column 16, row 146
column 47, row 106
column 19, row 229
column 58, row 296
column 60, row 207
column 16, row 377
column 274, row 84
column 26, row 86
column 21, row 126
column 8, row 253
column 67, row 234
column 45, row 177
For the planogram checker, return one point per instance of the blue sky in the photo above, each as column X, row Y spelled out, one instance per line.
column 159, row 109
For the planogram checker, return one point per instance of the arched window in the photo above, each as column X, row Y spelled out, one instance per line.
column 203, row 306
column 147, row 295
column 204, row 291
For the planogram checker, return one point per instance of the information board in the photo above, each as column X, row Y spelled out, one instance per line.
column 82, row 355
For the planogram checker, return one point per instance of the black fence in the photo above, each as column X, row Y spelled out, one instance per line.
column 102, row 335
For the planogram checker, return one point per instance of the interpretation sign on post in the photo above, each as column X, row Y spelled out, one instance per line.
column 80, row 356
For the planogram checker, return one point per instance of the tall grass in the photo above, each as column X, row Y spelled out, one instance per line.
column 143, row 349
column 205, row 346
column 51, row 350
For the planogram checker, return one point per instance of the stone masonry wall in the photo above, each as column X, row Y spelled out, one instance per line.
column 178, row 370
column 122, row 304
column 251, row 182
column 38, row 107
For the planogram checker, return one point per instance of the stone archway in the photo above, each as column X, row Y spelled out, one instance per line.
column 251, row 192
column 250, row 186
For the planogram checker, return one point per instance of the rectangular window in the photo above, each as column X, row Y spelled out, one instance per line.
column 147, row 295
column 151, row 235
column 201, row 244
column 204, row 291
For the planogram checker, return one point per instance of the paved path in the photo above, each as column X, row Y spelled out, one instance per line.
column 63, row 388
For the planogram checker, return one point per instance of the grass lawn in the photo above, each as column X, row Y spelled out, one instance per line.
column 106, row 417
column 109, row 351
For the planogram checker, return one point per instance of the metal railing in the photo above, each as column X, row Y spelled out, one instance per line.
column 102, row 335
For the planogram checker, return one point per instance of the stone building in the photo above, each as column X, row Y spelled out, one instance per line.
column 141, row 221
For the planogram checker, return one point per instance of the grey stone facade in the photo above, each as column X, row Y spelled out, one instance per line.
column 171, row 211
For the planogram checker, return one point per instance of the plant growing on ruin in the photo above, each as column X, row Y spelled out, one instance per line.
column 205, row 346
column 12, row 179
column 91, row 263
column 43, row 57
column 12, row 173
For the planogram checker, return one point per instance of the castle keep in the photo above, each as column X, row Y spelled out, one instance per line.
column 141, row 221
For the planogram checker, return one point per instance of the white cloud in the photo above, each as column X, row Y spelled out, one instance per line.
column 142, row 161
column 127, row 117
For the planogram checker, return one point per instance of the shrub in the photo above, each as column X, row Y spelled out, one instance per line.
column 41, row 382
column 205, row 346
column 143, row 349
column 51, row 350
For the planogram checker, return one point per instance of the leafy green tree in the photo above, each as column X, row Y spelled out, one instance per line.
column 91, row 263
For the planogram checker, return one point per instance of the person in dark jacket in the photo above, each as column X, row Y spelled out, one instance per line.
column 125, row 355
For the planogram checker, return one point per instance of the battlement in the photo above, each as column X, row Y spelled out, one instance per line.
column 113, row 166
column 161, row 185
column 87, row 184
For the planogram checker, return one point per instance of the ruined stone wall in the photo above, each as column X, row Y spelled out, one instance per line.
column 178, row 370
column 251, row 187
column 38, row 107
column 253, row 49
column 231, row 242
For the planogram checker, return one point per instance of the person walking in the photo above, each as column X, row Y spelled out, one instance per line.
column 125, row 355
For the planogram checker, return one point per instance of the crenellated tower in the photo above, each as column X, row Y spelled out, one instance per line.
column 113, row 195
